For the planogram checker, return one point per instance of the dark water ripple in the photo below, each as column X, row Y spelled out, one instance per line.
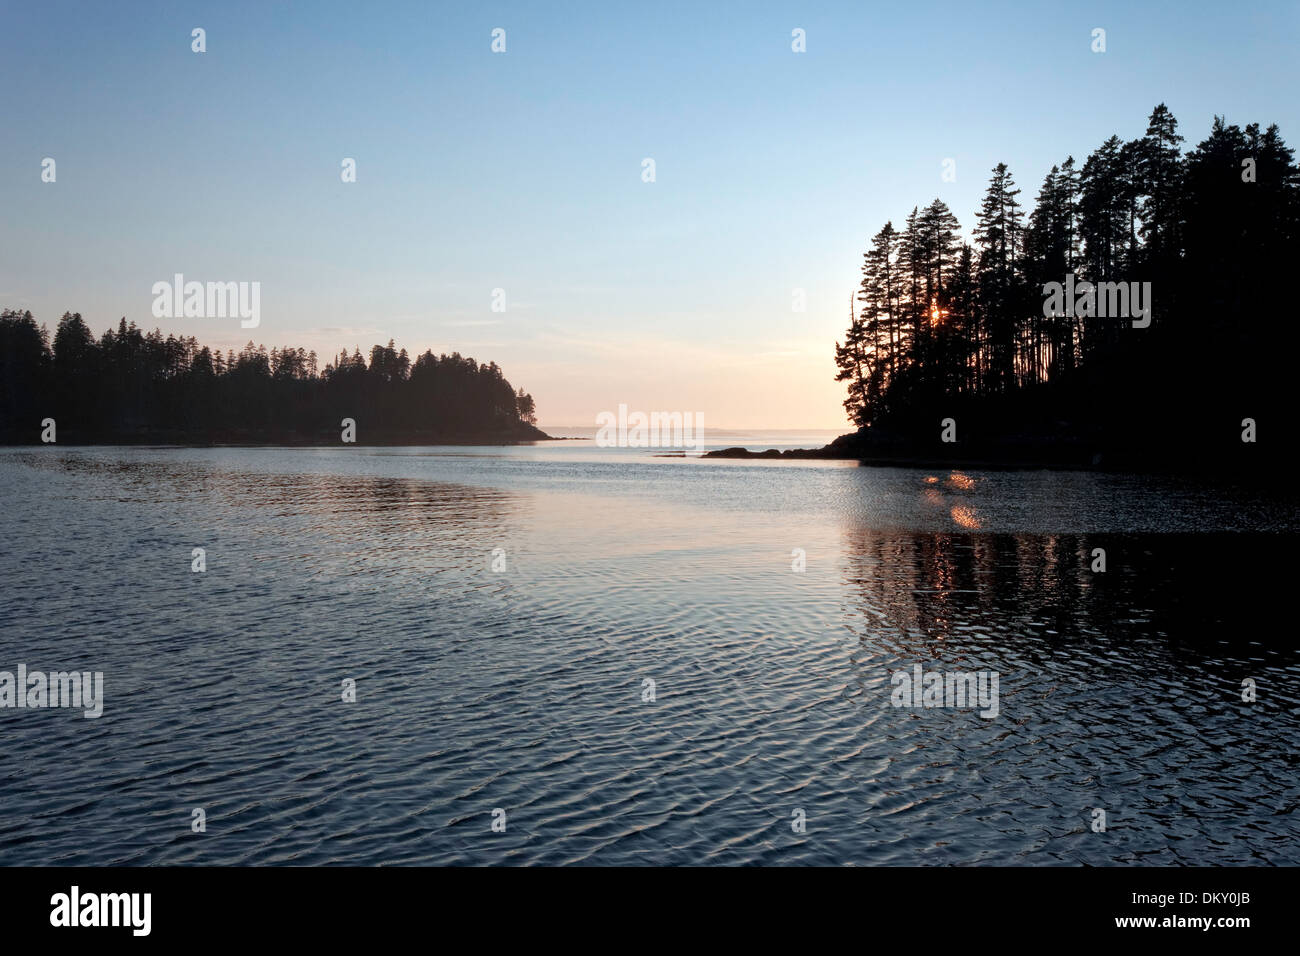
column 522, row 690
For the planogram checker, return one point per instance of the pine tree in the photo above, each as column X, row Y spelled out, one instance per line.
column 998, row 237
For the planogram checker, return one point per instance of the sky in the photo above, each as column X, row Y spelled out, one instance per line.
column 523, row 170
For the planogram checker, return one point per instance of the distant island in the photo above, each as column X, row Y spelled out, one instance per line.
column 131, row 387
column 1139, row 317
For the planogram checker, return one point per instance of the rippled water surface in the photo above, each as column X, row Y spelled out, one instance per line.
column 526, row 689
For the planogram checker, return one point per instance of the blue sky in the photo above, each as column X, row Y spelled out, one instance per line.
column 522, row 170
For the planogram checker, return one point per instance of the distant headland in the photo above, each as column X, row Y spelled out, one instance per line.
column 132, row 387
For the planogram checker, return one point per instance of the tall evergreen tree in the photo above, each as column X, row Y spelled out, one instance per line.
column 998, row 238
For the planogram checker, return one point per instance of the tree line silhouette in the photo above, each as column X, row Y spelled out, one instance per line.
column 942, row 327
column 132, row 386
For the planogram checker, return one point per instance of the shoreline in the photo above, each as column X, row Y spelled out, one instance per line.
column 326, row 439
column 1021, row 454
column 990, row 455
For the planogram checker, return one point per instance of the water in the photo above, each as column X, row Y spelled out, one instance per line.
column 524, row 689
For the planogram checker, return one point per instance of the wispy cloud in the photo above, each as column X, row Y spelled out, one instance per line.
column 348, row 330
column 468, row 323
